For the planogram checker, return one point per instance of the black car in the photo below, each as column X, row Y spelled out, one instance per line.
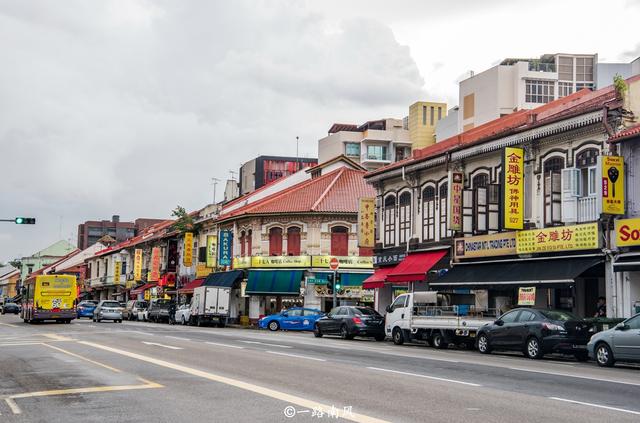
column 536, row 332
column 10, row 308
column 351, row 321
column 158, row 311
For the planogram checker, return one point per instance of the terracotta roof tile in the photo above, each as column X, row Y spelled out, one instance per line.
column 634, row 131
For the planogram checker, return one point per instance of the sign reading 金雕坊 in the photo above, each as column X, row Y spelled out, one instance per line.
column 456, row 186
column 612, row 184
column 513, row 188
column 500, row 244
column 558, row 238
column 225, row 248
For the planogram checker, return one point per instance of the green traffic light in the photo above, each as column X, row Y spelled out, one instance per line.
column 19, row 220
column 25, row 220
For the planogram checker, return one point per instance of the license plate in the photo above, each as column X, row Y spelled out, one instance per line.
column 472, row 335
column 579, row 347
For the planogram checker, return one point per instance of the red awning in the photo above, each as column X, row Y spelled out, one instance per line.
column 415, row 266
column 188, row 287
column 141, row 289
column 377, row 279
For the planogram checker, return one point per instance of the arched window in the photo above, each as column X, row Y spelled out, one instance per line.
column 587, row 158
column 242, row 246
column 480, row 185
column 275, row 241
column 444, row 210
column 481, row 180
column 249, row 241
column 404, row 210
column 390, row 220
column 429, row 214
column 293, row 241
column 339, row 241
column 553, row 190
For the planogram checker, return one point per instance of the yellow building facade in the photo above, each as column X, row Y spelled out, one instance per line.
column 423, row 117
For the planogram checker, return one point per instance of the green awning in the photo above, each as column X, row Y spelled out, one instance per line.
column 347, row 279
column 274, row 282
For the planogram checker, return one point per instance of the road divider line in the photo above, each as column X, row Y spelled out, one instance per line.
column 606, row 407
column 296, row 356
column 141, row 333
column 267, row 392
column 177, row 337
column 17, row 344
column 425, row 376
column 224, row 345
column 595, row 379
column 9, row 324
column 13, row 406
column 113, row 369
column 171, row 347
column 265, row 343
column 87, row 390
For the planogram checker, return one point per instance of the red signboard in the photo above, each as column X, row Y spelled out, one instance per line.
column 334, row 263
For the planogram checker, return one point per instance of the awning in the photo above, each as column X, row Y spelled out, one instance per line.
column 141, row 289
column 274, row 282
column 627, row 262
column 223, row 279
column 526, row 272
column 346, row 279
column 415, row 266
column 188, row 287
column 377, row 279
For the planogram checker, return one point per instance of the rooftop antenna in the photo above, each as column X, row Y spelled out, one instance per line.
column 214, row 182
column 233, row 174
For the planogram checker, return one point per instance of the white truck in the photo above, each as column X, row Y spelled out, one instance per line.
column 438, row 318
column 210, row 303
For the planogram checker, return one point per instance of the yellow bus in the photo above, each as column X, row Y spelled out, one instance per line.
column 49, row 297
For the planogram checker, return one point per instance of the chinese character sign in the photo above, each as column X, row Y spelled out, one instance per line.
column 454, row 220
column 513, row 188
column 366, row 222
column 187, row 251
column 559, row 238
column 137, row 265
column 612, row 184
column 154, row 275
column 117, row 270
column 225, row 248
column 212, row 250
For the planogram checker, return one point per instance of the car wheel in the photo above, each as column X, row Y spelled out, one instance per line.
column 183, row 321
column 380, row 338
column 316, row 331
column 398, row 336
column 604, row 355
column 483, row 344
column 273, row 326
column 438, row 341
column 533, row 349
column 344, row 332
column 99, row 320
column 95, row 320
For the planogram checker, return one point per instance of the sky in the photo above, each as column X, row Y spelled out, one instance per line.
column 131, row 107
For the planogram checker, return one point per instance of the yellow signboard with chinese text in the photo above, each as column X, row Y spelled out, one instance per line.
column 513, row 188
column 117, row 270
column 280, row 261
column 212, row 250
column 346, row 262
column 527, row 296
column 559, row 238
column 456, row 185
column 187, row 255
column 137, row 265
column 241, row 262
column 612, row 184
column 202, row 270
column 366, row 222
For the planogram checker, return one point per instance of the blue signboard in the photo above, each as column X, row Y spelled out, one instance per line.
column 225, row 248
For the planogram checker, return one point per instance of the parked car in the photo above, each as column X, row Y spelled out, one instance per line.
column 143, row 314
column 158, row 310
column 294, row 318
column 108, row 310
column 85, row 308
column 183, row 314
column 537, row 332
column 621, row 343
column 131, row 309
column 351, row 321
column 8, row 307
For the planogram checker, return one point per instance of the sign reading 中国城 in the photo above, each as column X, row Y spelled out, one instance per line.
column 137, row 265
column 558, row 238
column 513, row 188
column 154, row 274
column 612, row 184
column 225, row 248
column 187, row 251
column 499, row 244
column 456, row 185
column 366, row 222
column 346, row 262
column 527, row 296
column 212, row 250
column 627, row 232
column 117, row 270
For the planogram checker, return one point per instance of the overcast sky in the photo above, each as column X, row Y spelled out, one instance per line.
column 131, row 107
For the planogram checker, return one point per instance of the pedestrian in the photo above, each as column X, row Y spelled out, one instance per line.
column 172, row 312
column 601, row 307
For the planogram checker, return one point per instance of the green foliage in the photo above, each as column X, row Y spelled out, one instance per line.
column 184, row 222
column 620, row 86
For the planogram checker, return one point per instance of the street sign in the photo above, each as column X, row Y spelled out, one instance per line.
column 334, row 263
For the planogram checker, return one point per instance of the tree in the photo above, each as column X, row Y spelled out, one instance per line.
column 184, row 222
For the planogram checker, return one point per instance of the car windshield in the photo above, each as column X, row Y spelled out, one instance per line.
column 162, row 302
column 10, row 304
column 110, row 304
column 562, row 316
column 87, row 303
column 365, row 311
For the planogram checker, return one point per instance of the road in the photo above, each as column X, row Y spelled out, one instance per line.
column 136, row 371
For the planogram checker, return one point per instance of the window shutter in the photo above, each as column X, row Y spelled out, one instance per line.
column 494, row 207
column 569, row 196
column 481, row 210
column 467, row 211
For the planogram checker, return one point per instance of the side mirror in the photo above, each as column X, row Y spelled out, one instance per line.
column 389, row 309
column 499, row 322
column 621, row 326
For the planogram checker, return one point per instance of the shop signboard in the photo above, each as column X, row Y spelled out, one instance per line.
column 212, row 250
column 137, row 265
column 155, row 265
column 627, row 232
column 499, row 244
column 366, row 222
column 202, row 270
column 187, row 250
column 280, row 261
column 558, row 238
column 147, row 294
column 241, row 262
column 527, row 296
column 225, row 248
column 456, row 185
column 117, row 270
column 388, row 258
column 344, row 262
column 612, row 173
column 513, row 188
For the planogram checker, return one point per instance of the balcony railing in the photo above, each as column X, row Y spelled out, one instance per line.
column 587, row 209
column 365, row 157
column 542, row 67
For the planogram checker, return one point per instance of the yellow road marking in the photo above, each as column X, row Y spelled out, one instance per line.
column 12, row 344
column 82, row 358
column 87, row 390
column 57, row 337
column 9, row 324
column 272, row 393
column 13, row 406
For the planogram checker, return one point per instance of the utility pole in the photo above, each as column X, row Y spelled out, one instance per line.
column 297, row 150
column 214, row 181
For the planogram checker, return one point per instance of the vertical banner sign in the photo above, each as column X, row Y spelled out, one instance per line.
column 137, row 265
column 456, row 184
column 513, row 188
column 366, row 213
column 117, row 269
column 612, row 184
column 225, row 248
column 154, row 275
column 187, row 251
column 212, row 250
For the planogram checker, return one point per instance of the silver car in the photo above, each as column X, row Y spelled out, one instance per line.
column 108, row 310
column 622, row 343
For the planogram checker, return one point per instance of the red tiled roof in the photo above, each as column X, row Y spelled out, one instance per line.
column 152, row 232
column 54, row 264
column 335, row 192
column 337, row 127
column 634, row 131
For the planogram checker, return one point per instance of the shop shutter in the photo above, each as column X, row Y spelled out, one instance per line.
column 202, row 255
column 570, row 193
column 467, row 211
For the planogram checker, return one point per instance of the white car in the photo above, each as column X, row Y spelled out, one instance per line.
column 183, row 314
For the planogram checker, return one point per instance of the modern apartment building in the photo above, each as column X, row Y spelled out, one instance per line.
column 265, row 169
column 422, row 120
column 91, row 231
column 373, row 144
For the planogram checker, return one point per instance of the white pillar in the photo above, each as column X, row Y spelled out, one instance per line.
column 254, row 307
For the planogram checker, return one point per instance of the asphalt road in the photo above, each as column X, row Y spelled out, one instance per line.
column 135, row 371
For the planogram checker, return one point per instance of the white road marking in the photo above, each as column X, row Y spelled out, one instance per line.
column 113, row 369
column 171, row 347
column 13, row 406
column 13, row 344
column 9, row 324
column 296, row 356
column 264, row 343
column 177, row 337
column 606, row 407
column 224, row 345
column 140, row 332
column 597, row 379
column 425, row 376
column 271, row 393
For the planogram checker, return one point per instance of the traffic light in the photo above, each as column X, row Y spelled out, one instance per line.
column 25, row 220
column 330, row 283
column 338, row 284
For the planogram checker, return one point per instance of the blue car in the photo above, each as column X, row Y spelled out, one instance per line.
column 85, row 308
column 295, row 318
